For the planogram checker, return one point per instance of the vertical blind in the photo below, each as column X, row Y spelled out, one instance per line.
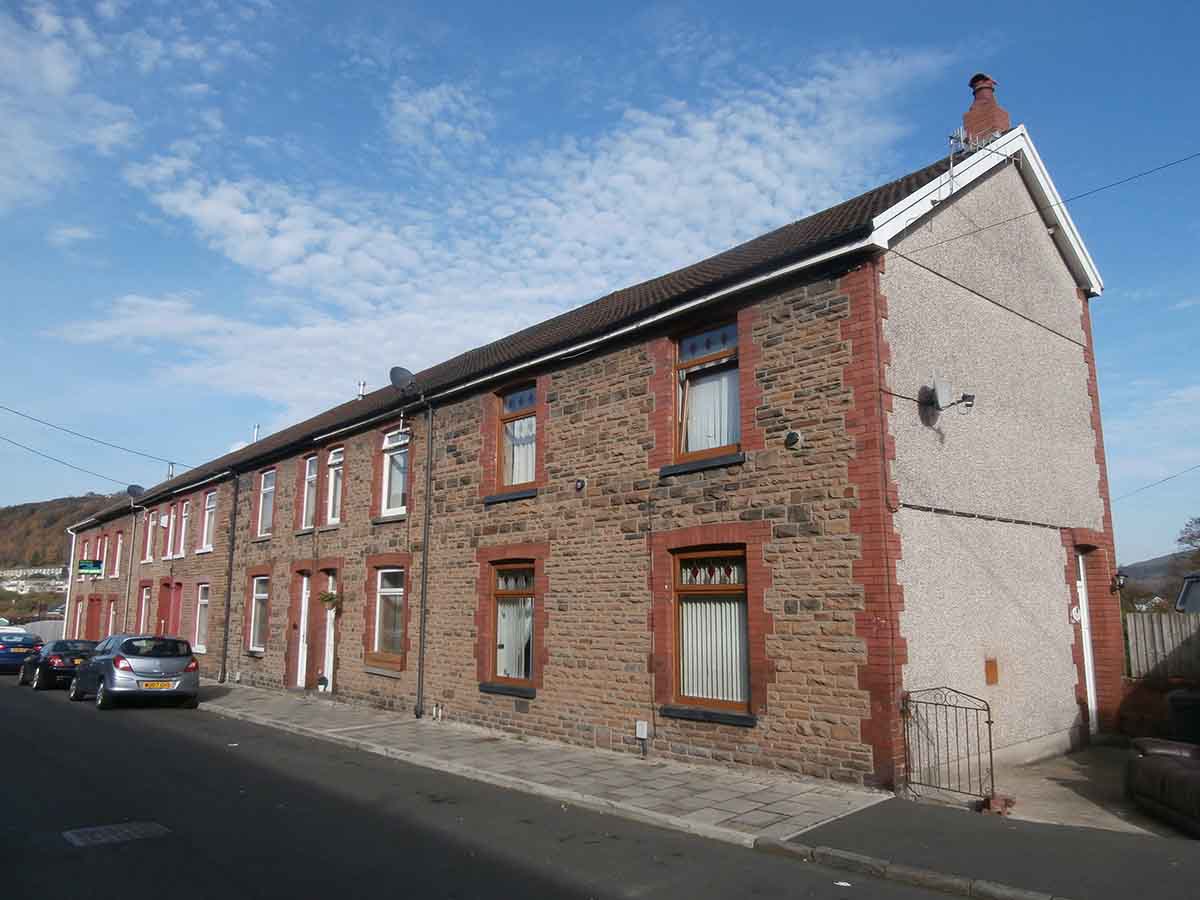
column 711, row 410
column 389, row 627
column 713, row 652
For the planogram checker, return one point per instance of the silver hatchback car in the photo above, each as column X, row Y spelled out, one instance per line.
column 138, row 665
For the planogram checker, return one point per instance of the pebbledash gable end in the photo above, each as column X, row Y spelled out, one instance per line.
column 575, row 535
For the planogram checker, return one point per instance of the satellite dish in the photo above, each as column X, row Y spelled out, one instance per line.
column 400, row 377
column 135, row 491
column 943, row 393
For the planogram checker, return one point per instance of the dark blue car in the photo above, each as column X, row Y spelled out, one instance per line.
column 15, row 646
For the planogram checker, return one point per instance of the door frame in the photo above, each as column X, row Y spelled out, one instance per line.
column 1085, row 638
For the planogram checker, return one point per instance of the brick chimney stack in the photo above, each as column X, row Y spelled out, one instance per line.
column 986, row 118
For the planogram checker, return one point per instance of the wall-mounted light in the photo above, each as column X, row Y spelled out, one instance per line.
column 792, row 440
column 1119, row 580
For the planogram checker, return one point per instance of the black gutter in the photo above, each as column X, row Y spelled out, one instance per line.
column 419, row 707
column 223, row 675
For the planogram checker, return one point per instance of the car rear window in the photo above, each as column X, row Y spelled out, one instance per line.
column 73, row 645
column 156, row 647
column 20, row 640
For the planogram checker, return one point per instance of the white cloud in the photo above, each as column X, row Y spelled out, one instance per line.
column 109, row 9
column 47, row 119
column 438, row 118
column 413, row 282
column 211, row 119
column 1186, row 304
column 196, row 89
column 64, row 236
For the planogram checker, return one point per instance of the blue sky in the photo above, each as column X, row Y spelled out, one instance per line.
column 222, row 213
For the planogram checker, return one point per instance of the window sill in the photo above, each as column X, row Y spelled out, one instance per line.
column 261, row 539
column 388, row 661
column 390, row 517
column 256, row 654
column 204, row 550
column 199, row 651
column 523, row 494
column 715, row 716
column 333, row 527
column 383, row 673
column 507, row 690
column 302, row 532
column 700, row 465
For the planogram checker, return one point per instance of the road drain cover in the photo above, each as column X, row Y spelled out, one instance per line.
column 114, row 834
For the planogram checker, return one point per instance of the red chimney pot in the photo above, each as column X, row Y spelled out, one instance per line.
column 986, row 118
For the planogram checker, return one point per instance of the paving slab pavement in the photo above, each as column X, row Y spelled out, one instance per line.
column 716, row 801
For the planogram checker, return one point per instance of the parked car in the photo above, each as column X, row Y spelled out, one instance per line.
column 15, row 629
column 15, row 646
column 138, row 665
column 54, row 663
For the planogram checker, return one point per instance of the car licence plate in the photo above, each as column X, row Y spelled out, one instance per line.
column 20, row 649
column 157, row 685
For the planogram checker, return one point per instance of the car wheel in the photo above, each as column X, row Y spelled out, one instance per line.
column 103, row 699
column 21, row 679
column 75, row 692
column 39, row 680
column 192, row 702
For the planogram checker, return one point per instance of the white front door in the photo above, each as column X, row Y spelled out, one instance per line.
column 330, row 617
column 1089, row 662
column 302, row 651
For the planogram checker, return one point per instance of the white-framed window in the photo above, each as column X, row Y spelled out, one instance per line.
column 706, row 370
column 112, row 617
column 184, row 513
column 170, row 533
column 144, row 616
column 210, row 520
column 87, row 545
column 266, row 502
column 103, row 546
column 333, row 491
column 151, row 521
column 394, row 489
column 389, row 612
column 116, row 573
column 201, row 618
column 308, row 509
column 259, row 600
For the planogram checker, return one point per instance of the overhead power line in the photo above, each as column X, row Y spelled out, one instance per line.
column 88, row 437
column 1146, row 487
column 1080, row 196
column 62, row 462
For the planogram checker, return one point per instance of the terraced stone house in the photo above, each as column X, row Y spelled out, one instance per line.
column 748, row 504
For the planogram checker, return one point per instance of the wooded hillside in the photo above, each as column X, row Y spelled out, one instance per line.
column 34, row 534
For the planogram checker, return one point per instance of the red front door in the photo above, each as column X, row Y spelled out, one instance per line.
column 163, row 613
column 92, row 626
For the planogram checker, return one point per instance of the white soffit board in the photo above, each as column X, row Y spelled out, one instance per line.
column 1016, row 143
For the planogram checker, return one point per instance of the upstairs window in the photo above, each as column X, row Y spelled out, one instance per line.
column 116, row 572
column 210, row 520
column 151, row 521
column 333, row 465
column 514, row 623
column 518, row 436
column 169, row 549
column 266, row 502
column 184, row 512
column 308, row 506
column 706, row 371
column 394, row 489
column 87, row 554
column 714, row 659
column 103, row 549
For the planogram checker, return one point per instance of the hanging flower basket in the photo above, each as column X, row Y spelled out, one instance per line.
column 329, row 600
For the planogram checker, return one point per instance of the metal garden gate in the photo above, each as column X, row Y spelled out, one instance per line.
column 948, row 742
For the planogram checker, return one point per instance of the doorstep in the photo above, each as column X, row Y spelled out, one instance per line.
column 740, row 806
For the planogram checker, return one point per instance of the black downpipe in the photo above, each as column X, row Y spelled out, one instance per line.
column 223, row 676
column 419, row 708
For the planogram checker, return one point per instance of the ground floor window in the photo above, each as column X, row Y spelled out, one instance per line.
column 710, row 599
column 389, row 612
column 201, row 618
column 258, row 612
column 514, row 600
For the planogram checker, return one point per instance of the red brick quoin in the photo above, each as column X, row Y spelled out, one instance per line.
column 748, row 535
column 878, row 622
column 485, row 612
